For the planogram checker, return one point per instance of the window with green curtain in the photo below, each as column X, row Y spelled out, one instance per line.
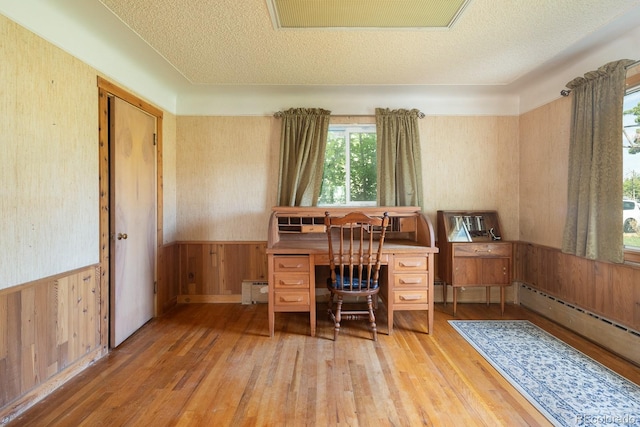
column 592, row 227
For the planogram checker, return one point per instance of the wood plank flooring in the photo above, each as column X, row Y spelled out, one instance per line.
column 214, row 364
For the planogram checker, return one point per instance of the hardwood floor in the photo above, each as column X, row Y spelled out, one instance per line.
column 214, row 364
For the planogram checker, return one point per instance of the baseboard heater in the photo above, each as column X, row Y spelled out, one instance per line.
column 255, row 292
column 613, row 336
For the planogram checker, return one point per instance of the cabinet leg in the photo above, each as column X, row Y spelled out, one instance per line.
column 502, row 300
column 271, row 321
column 444, row 293
column 455, row 299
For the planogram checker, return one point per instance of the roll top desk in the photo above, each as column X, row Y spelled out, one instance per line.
column 297, row 243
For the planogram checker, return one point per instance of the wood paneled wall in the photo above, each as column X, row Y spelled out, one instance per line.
column 46, row 327
column 609, row 290
column 214, row 271
column 168, row 278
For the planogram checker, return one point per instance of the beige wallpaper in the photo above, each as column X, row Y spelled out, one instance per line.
column 169, row 189
column 49, row 157
column 471, row 163
column 544, row 154
column 227, row 171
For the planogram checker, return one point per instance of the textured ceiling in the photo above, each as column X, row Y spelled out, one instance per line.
column 234, row 42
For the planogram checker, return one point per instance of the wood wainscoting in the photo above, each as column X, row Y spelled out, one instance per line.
column 168, row 287
column 214, row 271
column 605, row 290
column 50, row 330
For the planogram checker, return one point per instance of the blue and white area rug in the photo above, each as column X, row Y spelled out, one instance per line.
column 565, row 385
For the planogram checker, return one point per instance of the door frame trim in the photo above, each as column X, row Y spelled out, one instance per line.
column 105, row 90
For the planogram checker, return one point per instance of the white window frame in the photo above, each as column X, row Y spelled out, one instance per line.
column 348, row 129
column 631, row 253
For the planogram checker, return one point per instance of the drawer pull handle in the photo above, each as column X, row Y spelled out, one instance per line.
column 410, row 263
column 291, row 299
column 410, row 297
column 283, row 265
column 291, row 282
column 479, row 250
column 413, row 281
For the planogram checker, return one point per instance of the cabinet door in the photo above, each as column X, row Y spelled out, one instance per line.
column 495, row 271
column 466, row 271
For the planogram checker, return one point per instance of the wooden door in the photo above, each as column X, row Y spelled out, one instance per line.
column 132, row 219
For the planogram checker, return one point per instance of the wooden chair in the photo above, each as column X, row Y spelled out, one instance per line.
column 355, row 247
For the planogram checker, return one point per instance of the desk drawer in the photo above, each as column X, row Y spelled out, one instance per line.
column 407, row 263
column 409, row 297
column 291, row 280
column 290, row 263
column 482, row 250
column 410, row 280
column 285, row 298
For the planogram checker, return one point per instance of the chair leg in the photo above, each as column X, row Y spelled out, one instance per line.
column 372, row 318
column 330, row 306
column 338, row 317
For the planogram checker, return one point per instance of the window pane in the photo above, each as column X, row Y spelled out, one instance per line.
column 631, row 170
column 363, row 166
column 333, row 181
column 350, row 168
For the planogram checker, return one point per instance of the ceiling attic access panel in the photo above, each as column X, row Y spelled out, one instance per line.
column 435, row 14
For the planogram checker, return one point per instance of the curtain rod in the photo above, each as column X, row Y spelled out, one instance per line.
column 279, row 114
column 566, row 92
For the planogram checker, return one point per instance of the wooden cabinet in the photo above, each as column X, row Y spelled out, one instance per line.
column 472, row 252
column 412, row 285
column 411, row 280
column 481, row 264
column 293, row 286
column 291, row 282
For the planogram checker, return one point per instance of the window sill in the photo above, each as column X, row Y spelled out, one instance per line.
column 632, row 256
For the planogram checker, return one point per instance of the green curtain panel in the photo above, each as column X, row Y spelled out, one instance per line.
column 302, row 147
column 593, row 228
column 399, row 160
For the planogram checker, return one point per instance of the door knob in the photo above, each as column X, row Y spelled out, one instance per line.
column 122, row 236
